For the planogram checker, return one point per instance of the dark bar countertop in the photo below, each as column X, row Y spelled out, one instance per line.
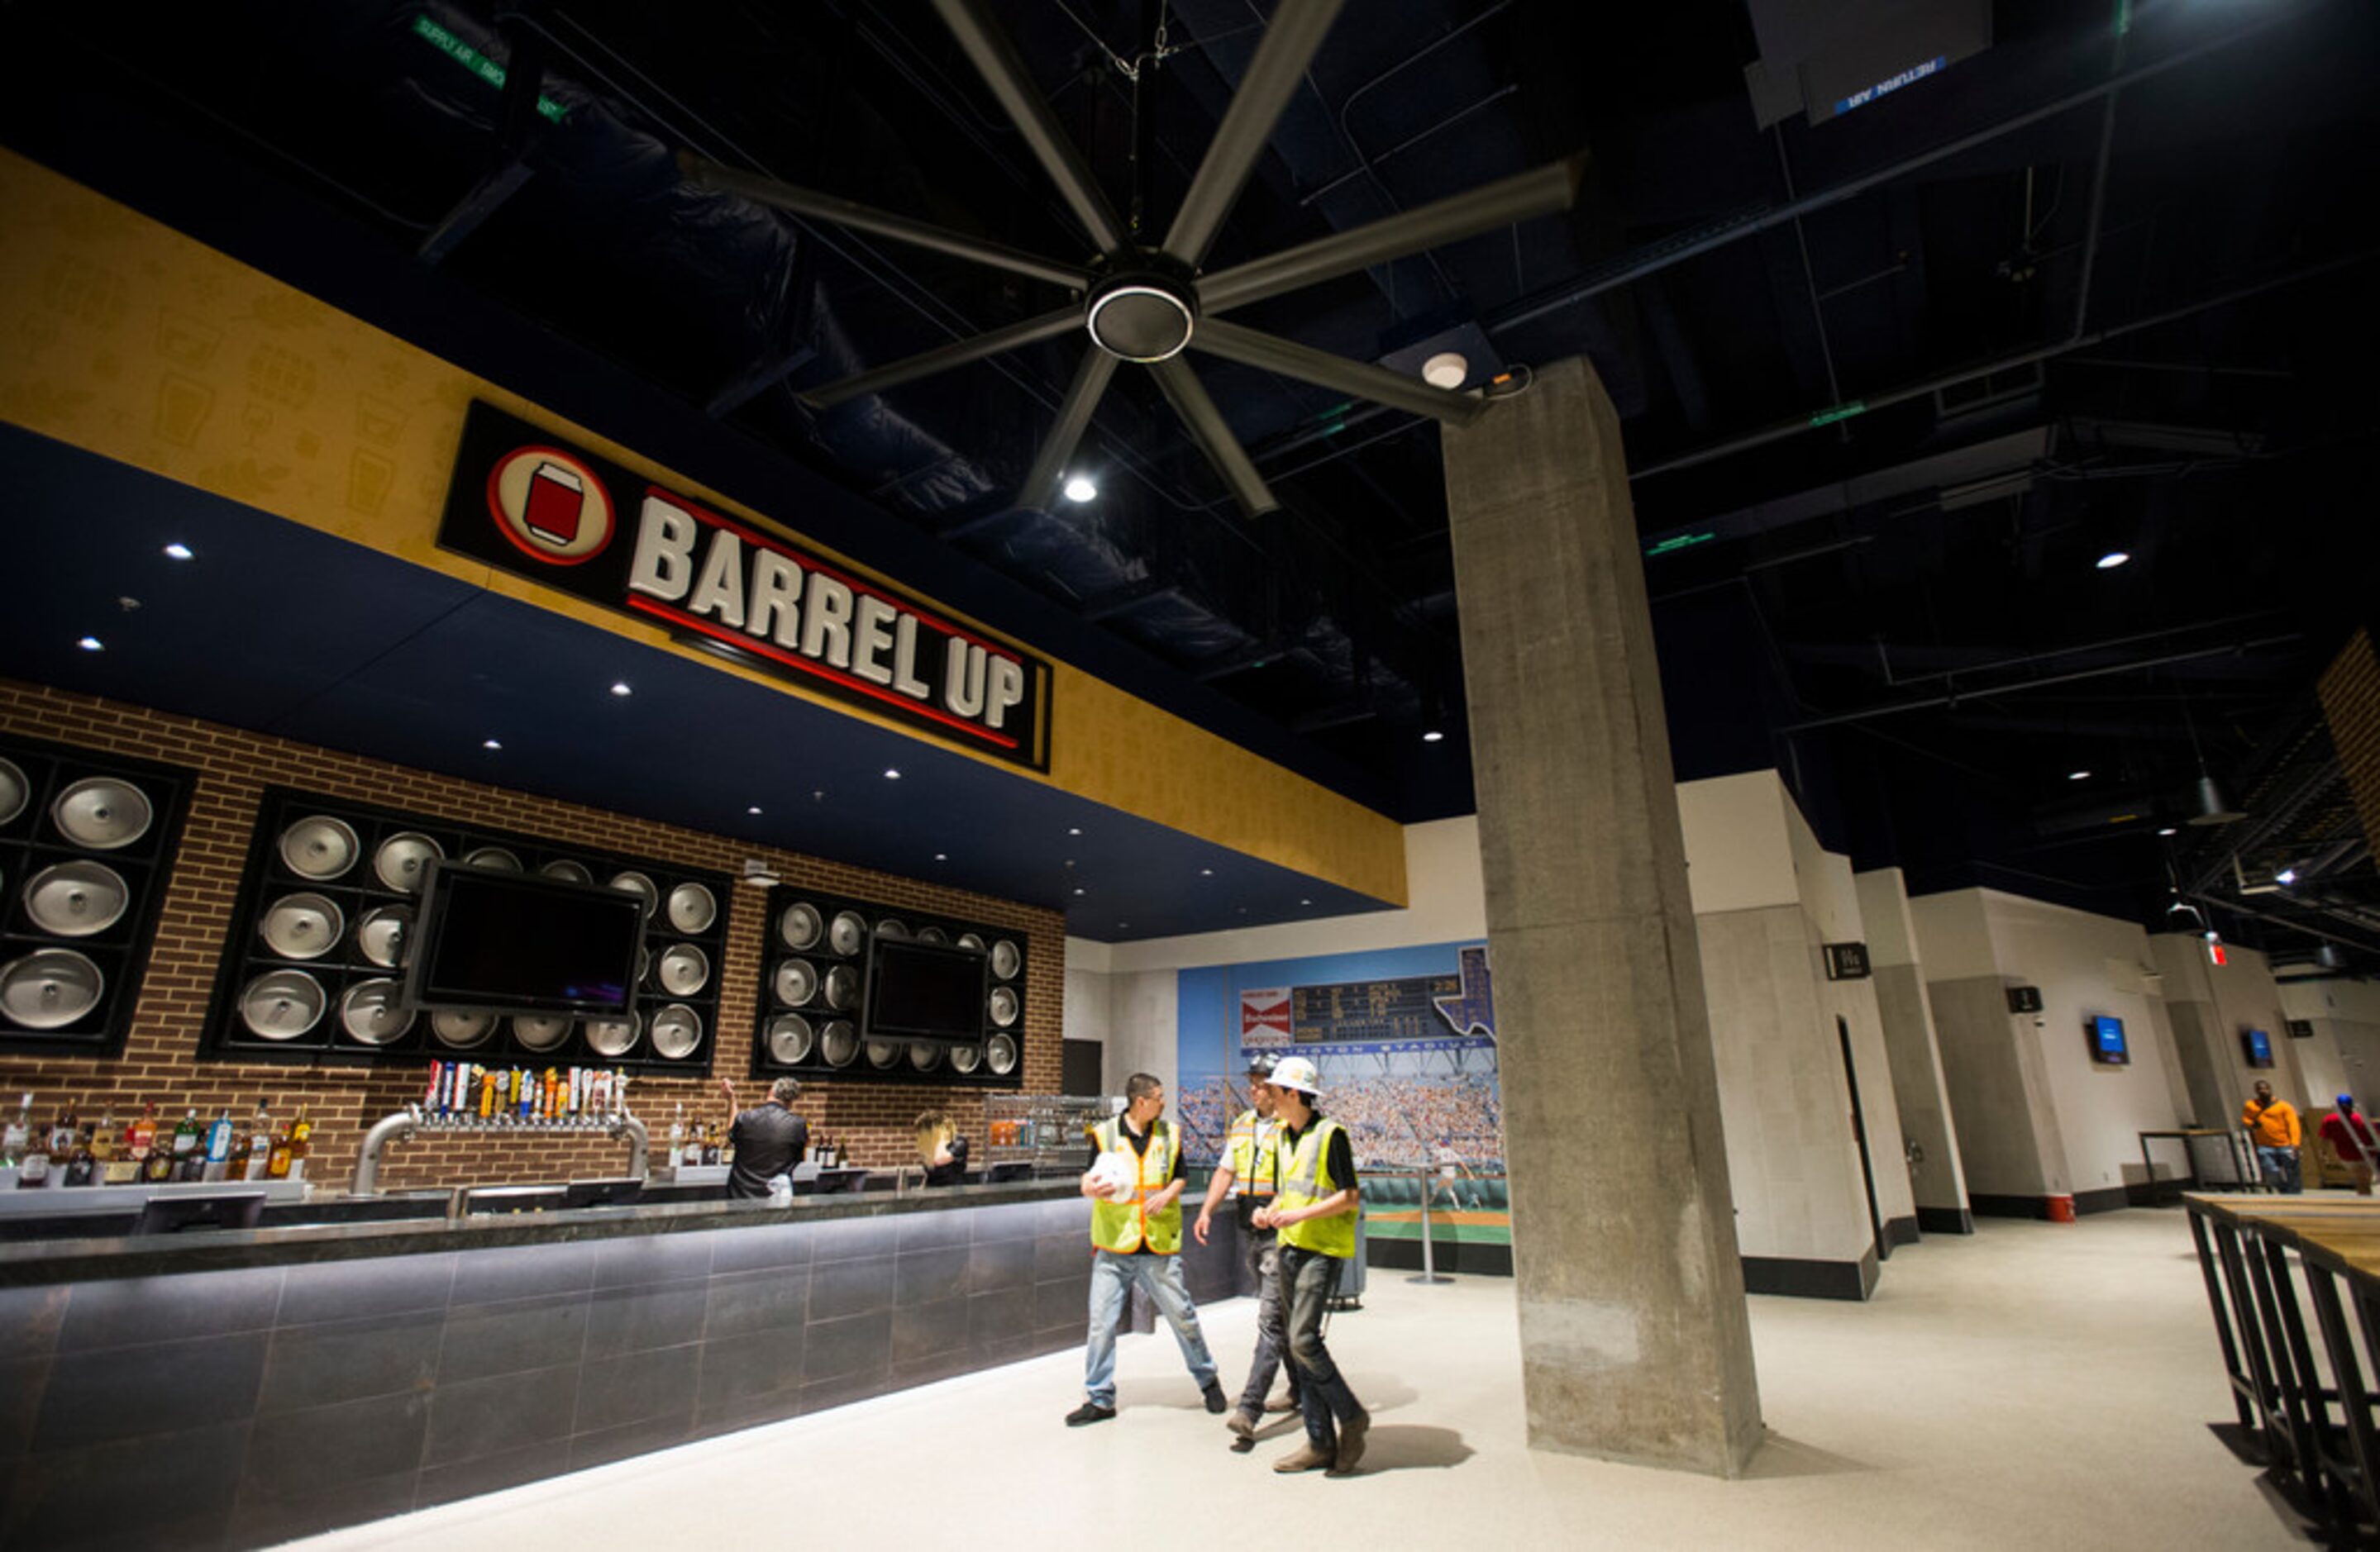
column 37, row 1262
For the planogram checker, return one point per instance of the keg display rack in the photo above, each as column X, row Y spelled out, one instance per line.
column 811, row 1014
column 87, row 843
column 313, row 964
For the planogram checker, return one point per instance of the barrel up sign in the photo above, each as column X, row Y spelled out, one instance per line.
column 533, row 506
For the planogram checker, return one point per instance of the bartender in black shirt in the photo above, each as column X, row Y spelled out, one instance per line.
column 769, row 1139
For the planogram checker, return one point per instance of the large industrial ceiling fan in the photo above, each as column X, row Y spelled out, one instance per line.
column 1146, row 304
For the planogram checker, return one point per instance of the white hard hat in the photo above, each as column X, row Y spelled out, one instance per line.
column 1297, row 1073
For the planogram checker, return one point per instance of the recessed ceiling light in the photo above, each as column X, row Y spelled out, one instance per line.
column 2078, row 775
column 1446, row 369
column 2286, row 876
column 620, row 687
column 181, row 551
column 2111, row 559
column 1205, row 872
column 941, row 856
column 1123, row 924
column 1081, row 488
column 91, row 644
column 752, row 808
column 2168, row 830
column 489, row 743
column 1305, row 903
column 1073, row 829
column 1432, row 736
column 891, row 773
column 1078, row 888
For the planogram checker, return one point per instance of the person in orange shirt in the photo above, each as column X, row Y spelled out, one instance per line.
column 2273, row 1126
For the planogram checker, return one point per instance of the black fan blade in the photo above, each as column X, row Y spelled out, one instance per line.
column 1214, row 437
column 1066, row 431
column 1518, row 198
column 1001, row 70
column 1289, row 44
column 1252, row 347
column 840, row 211
column 943, row 357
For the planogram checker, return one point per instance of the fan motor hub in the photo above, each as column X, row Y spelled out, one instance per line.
column 1141, row 315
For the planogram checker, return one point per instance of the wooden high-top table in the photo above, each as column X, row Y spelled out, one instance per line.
column 2314, row 1407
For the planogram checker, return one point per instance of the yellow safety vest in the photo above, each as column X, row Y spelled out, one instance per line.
column 1306, row 1180
column 1251, row 1148
column 1125, row 1227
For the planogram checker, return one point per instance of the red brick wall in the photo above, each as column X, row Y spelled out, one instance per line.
column 160, row 1058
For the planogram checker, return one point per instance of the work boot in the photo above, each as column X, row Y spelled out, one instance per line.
column 1350, row 1443
column 1241, row 1424
column 1305, row 1456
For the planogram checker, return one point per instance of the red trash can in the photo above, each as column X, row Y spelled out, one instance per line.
column 2062, row 1208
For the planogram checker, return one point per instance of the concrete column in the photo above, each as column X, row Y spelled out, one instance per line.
column 1937, row 1181
column 1634, row 1341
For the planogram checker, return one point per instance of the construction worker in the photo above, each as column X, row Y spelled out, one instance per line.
column 1313, row 1217
column 1135, row 1182
column 1249, row 1173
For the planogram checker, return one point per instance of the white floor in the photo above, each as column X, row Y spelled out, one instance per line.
column 2037, row 1385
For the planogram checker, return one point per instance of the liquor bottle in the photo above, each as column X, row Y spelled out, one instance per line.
column 188, row 1155
column 260, row 1142
column 116, row 1166
column 18, row 1137
column 219, row 1146
column 678, row 1133
column 140, row 1137
column 62, row 1136
column 82, row 1163
column 276, row 1163
column 302, row 1133
column 710, row 1144
column 158, row 1167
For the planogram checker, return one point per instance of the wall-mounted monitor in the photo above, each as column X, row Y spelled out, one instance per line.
column 2258, row 1046
column 521, row 944
column 2107, row 1041
column 925, row 991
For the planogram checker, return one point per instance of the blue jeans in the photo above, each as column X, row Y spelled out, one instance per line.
column 1111, row 1279
column 2281, row 1169
column 1309, row 1280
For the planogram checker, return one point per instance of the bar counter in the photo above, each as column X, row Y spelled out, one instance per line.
column 236, row 1389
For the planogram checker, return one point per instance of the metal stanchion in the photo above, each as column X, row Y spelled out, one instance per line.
column 1428, row 1254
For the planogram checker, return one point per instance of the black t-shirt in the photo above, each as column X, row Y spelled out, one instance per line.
column 1340, row 1159
column 769, row 1140
column 954, row 1172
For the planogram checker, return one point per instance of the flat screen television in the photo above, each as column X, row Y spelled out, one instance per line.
column 2258, row 1045
column 2107, row 1041
column 925, row 991
column 521, row 944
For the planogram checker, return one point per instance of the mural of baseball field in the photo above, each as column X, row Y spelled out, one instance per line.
column 1406, row 1043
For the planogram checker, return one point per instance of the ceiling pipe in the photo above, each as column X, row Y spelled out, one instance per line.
column 1984, row 691
column 1653, row 258
column 1927, row 387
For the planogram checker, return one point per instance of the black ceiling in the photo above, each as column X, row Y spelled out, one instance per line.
column 1891, row 383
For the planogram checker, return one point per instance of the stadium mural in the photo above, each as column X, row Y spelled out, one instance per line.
column 1405, row 1041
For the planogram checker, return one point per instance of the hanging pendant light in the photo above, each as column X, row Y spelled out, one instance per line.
column 2212, row 809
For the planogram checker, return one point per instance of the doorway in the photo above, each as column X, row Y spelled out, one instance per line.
column 1859, row 1135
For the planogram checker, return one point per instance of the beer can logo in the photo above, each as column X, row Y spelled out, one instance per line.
column 550, row 506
